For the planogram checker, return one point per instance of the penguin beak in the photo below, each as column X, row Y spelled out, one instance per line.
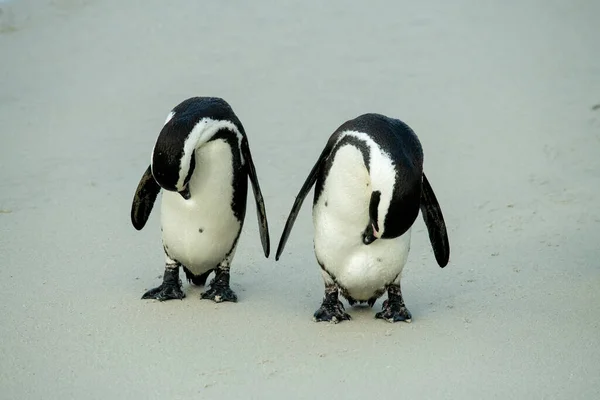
column 185, row 193
column 370, row 235
column 375, row 233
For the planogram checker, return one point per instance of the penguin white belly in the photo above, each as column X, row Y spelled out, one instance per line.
column 200, row 232
column 340, row 216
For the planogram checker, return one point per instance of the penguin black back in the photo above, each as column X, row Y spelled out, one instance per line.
column 410, row 191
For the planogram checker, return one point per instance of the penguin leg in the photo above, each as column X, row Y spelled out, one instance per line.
column 332, row 309
column 219, row 286
column 393, row 309
column 171, row 286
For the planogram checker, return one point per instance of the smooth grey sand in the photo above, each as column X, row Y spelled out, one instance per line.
column 504, row 96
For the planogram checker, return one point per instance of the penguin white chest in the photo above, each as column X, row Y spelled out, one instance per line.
column 340, row 216
column 201, row 232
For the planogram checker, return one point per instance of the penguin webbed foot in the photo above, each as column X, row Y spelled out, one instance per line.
column 219, row 288
column 219, row 294
column 165, row 292
column 169, row 289
column 394, row 312
column 332, row 309
column 393, row 309
column 331, row 313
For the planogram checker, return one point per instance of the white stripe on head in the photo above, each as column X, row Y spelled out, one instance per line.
column 169, row 117
column 382, row 173
column 201, row 133
column 171, row 114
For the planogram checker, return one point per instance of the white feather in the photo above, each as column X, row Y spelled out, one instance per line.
column 382, row 174
column 342, row 213
column 171, row 115
column 208, row 209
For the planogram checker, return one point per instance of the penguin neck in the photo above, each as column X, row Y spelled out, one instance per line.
column 200, row 134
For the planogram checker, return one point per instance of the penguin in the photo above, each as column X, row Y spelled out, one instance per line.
column 202, row 160
column 370, row 186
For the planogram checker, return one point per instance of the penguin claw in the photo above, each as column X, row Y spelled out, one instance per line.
column 394, row 312
column 219, row 294
column 334, row 313
column 165, row 292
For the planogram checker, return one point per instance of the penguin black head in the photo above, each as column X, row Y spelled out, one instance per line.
column 191, row 123
column 173, row 160
column 393, row 220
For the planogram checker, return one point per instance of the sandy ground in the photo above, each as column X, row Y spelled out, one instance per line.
column 504, row 98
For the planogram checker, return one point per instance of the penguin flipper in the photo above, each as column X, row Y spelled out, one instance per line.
column 308, row 184
column 260, row 202
column 143, row 200
column 434, row 220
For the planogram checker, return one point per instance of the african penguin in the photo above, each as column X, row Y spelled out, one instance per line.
column 369, row 189
column 202, row 159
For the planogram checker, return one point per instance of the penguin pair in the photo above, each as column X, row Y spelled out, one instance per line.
column 369, row 189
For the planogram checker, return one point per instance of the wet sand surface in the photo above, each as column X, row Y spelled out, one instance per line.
column 504, row 97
